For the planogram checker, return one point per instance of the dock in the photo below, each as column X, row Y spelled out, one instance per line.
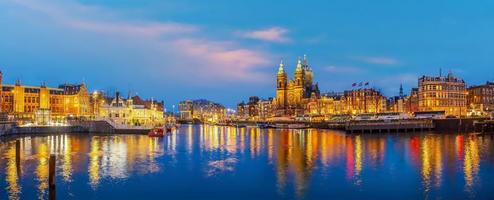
column 486, row 126
column 402, row 126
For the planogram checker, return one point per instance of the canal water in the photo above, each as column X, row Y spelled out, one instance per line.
column 210, row 162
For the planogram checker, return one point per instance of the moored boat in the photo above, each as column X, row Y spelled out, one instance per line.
column 290, row 126
column 297, row 126
column 264, row 125
column 241, row 126
column 156, row 132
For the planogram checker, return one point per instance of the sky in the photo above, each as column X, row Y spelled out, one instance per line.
column 228, row 50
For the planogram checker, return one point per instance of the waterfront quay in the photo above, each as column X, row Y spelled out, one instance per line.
column 73, row 126
column 461, row 125
column 477, row 125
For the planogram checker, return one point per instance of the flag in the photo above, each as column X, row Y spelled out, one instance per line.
column 366, row 83
column 354, row 84
column 360, row 84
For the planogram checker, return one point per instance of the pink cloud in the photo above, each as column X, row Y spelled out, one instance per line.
column 147, row 29
column 273, row 34
column 225, row 60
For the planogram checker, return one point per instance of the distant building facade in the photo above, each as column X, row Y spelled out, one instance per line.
column 203, row 110
column 32, row 103
column 480, row 99
column 412, row 101
column 365, row 100
column 255, row 109
column 132, row 111
column 328, row 104
column 443, row 93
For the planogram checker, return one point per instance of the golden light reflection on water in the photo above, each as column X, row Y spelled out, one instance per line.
column 94, row 166
column 296, row 156
column 12, row 173
column 112, row 157
column 431, row 168
column 471, row 163
column 190, row 138
column 42, row 169
column 66, row 159
column 358, row 159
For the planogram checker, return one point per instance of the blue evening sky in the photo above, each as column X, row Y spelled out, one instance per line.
column 227, row 50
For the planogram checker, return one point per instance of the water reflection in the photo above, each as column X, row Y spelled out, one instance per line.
column 431, row 162
column 112, row 157
column 12, row 172
column 471, row 163
column 297, row 158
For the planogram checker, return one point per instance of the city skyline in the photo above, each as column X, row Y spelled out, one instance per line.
column 125, row 47
column 224, row 99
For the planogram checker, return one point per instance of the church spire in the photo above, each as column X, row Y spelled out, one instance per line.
column 281, row 69
column 299, row 65
column 306, row 63
column 401, row 91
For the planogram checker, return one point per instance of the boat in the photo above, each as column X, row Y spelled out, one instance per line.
column 290, row 126
column 169, row 127
column 297, row 126
column 241, row 126
column 157, row 132
column 222, row 124
column 264, row 125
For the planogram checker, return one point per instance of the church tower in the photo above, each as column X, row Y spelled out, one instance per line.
column 281, row 87
column 299, row 83
column 308, row 73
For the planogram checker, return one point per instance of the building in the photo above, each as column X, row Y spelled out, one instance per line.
column 292, row 95
column 242, row 111
column 439, row 93
column 265, row 109
column 300, row 98
column 148, row 103
column 323, row 108
column 186, row 109
column 128, row 112
column 398, row 103
column 480, row 99
column 255, row 109
column 365, row 100
column 42, row 104
column 412, row 101
column 202, row 110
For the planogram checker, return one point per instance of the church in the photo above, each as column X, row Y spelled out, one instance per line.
column 293, row 95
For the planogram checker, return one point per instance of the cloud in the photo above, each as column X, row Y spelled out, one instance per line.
column 273, row 34
column 343, row 69
column 376, row 60
column 183, row 49
column 226, row 61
